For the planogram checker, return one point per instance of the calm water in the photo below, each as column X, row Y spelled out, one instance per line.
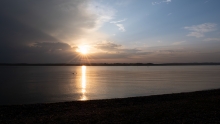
column 40, row 84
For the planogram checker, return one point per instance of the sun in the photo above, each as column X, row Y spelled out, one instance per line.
column 83, row 49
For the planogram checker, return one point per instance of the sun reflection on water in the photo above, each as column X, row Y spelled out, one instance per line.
column 83, row 83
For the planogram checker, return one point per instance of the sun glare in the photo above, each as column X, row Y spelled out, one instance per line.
column 83, row 53
column 83, row 49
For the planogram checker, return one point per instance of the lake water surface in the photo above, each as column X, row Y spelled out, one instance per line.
column 46, row 84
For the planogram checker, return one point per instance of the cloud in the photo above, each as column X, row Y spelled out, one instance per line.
column 119, row 25
column 168, row 1
column 113, row 48
column 39, row 52
column 32, row 25
column 170, row 51
column 58, row 17
column 113, row 52
column 103, row 13
column 200, row 30
column 107, row 46
column 51, row 47
column 212, row 39
column 159, row 2
column 178, row 43
column 115, row 22
column 64, row 20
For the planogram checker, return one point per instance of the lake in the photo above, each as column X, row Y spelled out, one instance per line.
column 46, row 84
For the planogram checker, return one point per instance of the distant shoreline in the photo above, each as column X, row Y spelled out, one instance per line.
column 191, row 107
column 106, row 64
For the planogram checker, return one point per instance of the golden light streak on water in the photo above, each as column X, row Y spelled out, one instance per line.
column 83, row 83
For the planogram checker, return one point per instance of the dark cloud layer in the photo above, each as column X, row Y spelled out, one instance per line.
column 35, row 31
column 54, row 17
column 108, row 46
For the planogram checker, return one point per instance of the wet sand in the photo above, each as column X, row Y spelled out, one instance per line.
column 194, row 107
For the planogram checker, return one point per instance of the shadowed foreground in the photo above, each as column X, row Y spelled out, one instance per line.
column 196, row 107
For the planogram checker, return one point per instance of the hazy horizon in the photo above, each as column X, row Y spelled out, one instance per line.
column 121, row 63
column 116, row 31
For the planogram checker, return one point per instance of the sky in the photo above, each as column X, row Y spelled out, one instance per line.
column 110, row 31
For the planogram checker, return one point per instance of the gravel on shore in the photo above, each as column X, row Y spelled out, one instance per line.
column 193, row 107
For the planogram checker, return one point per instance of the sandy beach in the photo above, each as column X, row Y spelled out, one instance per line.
column 194, row 107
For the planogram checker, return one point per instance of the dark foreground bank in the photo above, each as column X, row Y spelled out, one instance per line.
column 195, row 107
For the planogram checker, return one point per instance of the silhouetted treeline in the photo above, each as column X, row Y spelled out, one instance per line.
column 105, row 64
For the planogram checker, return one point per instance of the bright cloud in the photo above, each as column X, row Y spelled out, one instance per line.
column 199, row 30
column 103, row 13
column 120, row 27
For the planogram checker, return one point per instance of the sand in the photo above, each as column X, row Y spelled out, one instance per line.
column 194, row 107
